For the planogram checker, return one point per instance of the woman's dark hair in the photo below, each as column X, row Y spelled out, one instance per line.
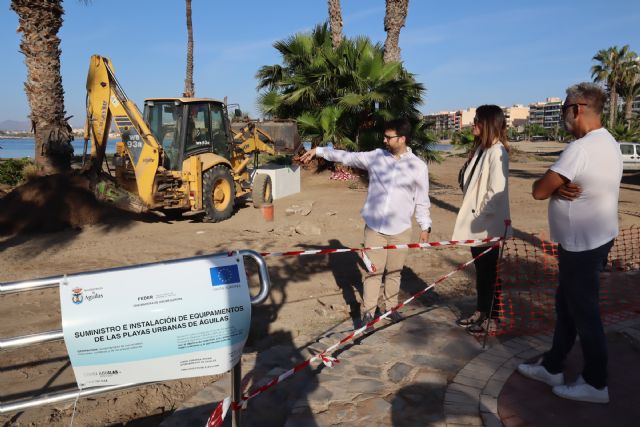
column 493, row 126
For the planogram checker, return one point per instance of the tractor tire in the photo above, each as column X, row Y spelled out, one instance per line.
column 219, row 193
column 261, row 190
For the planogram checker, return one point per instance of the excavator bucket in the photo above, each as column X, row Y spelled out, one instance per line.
column 283, row 133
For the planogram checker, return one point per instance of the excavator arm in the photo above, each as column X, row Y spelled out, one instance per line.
column 251, row 139
column 106, row 101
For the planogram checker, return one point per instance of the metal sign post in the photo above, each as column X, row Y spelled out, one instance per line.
column 221, row 277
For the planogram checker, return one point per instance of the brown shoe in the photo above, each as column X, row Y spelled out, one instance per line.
column 395, row 317
column 366, row 318
column 477, row 317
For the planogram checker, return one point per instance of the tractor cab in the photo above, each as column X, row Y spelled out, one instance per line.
column 185, row 127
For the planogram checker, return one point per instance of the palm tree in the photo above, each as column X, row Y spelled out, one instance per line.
column 335, row 22
column 304, row 81
column 189, row 89
column 609, row 71
column 463, row 138
column 39, row 23
column 394, row 19
column 629, row 87
column 537, row 130
column 341, row 95
column 625, row 132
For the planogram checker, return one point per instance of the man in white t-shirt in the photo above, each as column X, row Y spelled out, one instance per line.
column 583, row 187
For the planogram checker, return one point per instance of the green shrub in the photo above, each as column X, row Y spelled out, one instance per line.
column 11, row 170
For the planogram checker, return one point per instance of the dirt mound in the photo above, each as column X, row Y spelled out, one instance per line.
column 53, row 203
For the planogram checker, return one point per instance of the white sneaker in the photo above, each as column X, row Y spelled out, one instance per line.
column 578, row 381
column 583, row 392
column 539, row 373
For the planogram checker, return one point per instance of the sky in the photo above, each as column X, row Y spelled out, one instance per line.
column 466, row 52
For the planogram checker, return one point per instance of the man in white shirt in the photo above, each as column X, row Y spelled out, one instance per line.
column 398, row 186
column 584, row 186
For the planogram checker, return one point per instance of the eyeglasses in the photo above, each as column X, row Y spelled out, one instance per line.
column 390, row 137
column 565, row 107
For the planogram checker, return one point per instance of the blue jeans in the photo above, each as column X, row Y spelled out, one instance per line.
column 578, row 312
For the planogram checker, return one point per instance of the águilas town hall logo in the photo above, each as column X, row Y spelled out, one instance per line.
column 76, row 295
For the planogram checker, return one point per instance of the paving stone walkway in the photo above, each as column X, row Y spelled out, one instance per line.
column 395, row 375
column 423, row 371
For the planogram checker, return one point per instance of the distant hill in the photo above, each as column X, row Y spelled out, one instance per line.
column 15, row 125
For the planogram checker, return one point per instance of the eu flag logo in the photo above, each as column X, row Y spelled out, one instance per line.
column 224, row 275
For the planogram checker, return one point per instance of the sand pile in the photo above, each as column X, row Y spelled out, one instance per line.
column 53, row 203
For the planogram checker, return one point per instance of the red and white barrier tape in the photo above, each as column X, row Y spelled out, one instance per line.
column 374, row 248
column 371, row 267
column 219, row 413
column 330, row 361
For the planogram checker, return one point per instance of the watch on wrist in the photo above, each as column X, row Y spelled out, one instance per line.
column 428, row 230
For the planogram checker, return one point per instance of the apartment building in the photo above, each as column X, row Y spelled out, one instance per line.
column 450, row 120
column 547, row 114
column 517, row 116
column 464, row 118
column 635, row 107
column 442, row 120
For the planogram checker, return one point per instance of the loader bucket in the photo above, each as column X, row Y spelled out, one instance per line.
column 284, row 134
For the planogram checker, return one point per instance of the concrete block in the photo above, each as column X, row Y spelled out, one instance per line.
column 285, row 180
column 471, row 382
column 491, row 420
column 460, row 409
column 471, row 391
column 493, row 388
column 463, row 420
column 488, row 404
column 453, row 397
column 503, row 373
column 484, row 364
column 482, row 375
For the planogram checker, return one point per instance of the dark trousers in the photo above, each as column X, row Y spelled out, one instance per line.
column 486, row 275
column 578, row 313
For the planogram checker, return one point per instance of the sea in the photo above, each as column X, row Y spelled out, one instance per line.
column 19, row 148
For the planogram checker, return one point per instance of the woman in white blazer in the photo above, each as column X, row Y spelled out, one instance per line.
column 485, row 207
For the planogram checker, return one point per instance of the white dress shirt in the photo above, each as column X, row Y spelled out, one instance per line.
column 397, row 188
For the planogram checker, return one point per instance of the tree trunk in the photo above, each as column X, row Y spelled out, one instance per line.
column 39, row 22
column 189, row 89
column 613, row 104
column 394, row 19
column 628, row 109
column 335, row 22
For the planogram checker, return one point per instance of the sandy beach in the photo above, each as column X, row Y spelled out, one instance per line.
column 308, row 293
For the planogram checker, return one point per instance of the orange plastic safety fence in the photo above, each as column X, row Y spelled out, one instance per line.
column 528, row 277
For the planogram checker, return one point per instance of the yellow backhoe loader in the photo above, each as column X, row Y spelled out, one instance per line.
column 182, row 154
